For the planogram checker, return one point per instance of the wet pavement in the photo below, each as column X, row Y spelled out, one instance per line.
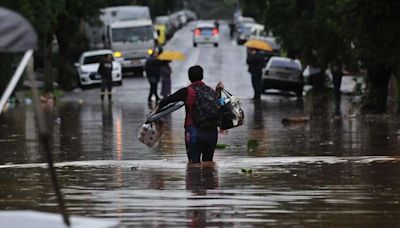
column 325, row 172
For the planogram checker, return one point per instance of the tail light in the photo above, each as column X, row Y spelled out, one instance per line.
column 197, row 32
column 215, row 32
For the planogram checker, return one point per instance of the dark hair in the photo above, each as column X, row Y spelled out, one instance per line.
column 195, row 73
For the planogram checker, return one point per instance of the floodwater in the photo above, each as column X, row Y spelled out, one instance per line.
column 327, row 172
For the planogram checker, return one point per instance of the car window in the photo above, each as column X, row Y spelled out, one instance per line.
column 276, row 63
column 94, row 59
column 206, row 31
column 133, row 34
column 246, row 30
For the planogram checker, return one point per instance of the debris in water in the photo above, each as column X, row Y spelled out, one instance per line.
column 246, row 171
column 221, row 146
column 252, row 145
column 134, row 168
column 295, row 120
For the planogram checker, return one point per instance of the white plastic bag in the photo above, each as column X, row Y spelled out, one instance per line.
column 232, row 112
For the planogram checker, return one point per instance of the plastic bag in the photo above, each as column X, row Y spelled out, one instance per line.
column 232, row 113
column 150, row 133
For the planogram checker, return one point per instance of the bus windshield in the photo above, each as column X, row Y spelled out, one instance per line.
column 132, row 34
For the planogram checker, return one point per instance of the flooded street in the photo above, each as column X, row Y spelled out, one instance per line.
column 325, row 172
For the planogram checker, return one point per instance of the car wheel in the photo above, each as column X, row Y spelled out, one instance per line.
column 194, row 44
column 216, row 45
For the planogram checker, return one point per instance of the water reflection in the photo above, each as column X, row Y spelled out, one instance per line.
column 70, row 132
column 107, row 129
column 199, row 179
column 258, row 133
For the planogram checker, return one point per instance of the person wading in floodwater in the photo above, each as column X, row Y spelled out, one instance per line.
column 153, row 73
column 256, row 63
column 105, row 70
column 202, row 115
column 165, row 79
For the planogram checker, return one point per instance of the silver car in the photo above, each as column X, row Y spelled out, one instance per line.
column 283, row 74
column 205, row 33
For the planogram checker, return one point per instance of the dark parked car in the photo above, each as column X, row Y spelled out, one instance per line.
column 283, row 74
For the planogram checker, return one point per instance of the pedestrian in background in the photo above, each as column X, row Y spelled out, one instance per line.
column 216, row 23
column 153, row 71
column 256, row 63
column 165, row 78
column 232, row 29
column 105, row 71
column 48, row 99
column 200, row 140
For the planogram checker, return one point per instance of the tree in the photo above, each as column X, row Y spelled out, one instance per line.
column 338, row 33
column 71, row 38
column 253, row 8
column 372, row 28
column 43, row 16
column 311, row 32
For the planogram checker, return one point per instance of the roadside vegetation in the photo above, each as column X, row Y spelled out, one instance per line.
column 353, row 36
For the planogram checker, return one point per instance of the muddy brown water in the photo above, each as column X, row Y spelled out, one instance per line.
column 325, row 172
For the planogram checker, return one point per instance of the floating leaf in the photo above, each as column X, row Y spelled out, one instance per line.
column 246, row 171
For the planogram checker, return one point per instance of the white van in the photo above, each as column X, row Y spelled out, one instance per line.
column 127, row 30
column 130, row 41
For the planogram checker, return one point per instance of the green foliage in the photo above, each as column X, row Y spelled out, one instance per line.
column 335, row 33
column 246, row 171
column 253, row 8
column 157, row 7
column 373, row 28
column 216, row 9
column 8, row 64
column 310, row 30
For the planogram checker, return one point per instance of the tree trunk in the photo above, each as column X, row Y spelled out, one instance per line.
column 318, row 81
column 378, row 77
column 48, row 64
column 69, row 49
column 337, row 75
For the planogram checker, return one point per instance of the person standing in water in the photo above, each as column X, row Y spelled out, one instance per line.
column 165, row 79
column 256, row 63
column 200, row 137
column 105, row 71
column 152, row 67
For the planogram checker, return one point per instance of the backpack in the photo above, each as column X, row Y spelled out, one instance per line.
column 206, row 109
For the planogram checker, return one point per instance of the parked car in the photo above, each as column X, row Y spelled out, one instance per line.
column 244, row 32
column 283, row 74
column 205, row 33
column 89, row 63
column 191, row 16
